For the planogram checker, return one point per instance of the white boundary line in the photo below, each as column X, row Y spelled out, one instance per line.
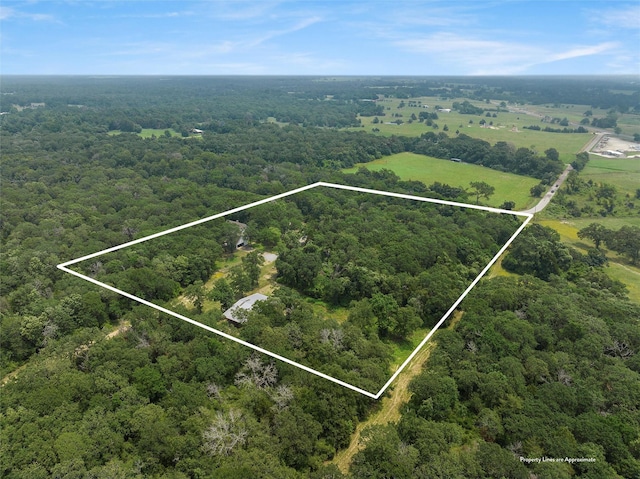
column 64, row 267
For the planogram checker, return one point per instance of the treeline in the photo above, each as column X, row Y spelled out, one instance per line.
column 598, row 92
column 181, row 103
column 535, row 368
column 548, row 129
column 500, row 156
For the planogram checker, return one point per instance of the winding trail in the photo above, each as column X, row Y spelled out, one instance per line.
column 392, row 402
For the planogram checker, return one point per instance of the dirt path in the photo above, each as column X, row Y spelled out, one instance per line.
column 12, row 374
column 390, row 411
column 123, row 327
column 391, row 405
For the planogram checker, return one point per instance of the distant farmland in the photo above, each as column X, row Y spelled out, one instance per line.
column 409, row 166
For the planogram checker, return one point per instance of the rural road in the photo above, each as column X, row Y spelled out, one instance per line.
column 558, row 183
column 551, row 193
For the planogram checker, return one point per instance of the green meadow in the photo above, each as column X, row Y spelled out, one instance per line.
column 618, row 268
column 150, row 132
column 410, row 166
column 506, row 126
column 624, row 174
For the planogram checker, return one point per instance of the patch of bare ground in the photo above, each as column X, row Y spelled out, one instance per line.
column 391, row 404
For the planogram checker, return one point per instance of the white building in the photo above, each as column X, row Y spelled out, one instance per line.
column 237, row 312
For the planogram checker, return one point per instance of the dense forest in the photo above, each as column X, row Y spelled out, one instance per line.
column 543, row 363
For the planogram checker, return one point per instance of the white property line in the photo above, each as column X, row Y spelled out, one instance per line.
column 64, row 267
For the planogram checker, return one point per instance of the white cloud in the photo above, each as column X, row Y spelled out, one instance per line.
column 242, row 10
column 626, row 17
column 582, row 52
column 7, row 13
column 186, row 13
column 269, row 35
column 481, row 57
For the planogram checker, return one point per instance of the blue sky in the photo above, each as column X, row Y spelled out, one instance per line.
column 341, row 37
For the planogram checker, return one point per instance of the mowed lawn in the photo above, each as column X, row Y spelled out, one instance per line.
column 410, row 166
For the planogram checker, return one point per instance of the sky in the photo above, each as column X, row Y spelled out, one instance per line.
column 330, row 37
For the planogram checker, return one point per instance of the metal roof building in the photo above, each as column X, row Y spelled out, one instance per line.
column 236, row 313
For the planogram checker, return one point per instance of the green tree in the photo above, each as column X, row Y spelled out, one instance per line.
column 626, row 241
column 434, row 395
column 537, row 190
column 581, row 161
column 481, row 190
column 222, row 291
column 251, row 264
column 239, row 280
column 298, row 434
column 538, row 251
column 596, row 232
column 196, row 294
column 384, row 455
column 552, row 154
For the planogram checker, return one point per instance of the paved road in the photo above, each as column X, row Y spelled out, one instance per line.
column 551, row 193
column 596, row 138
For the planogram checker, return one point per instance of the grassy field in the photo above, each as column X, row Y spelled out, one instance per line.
column 507, row 126
column 150, row 132
column 409, row 166
column 618, row 267
column 624, row 174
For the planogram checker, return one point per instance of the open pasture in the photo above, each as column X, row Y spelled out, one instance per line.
column 506, row 126
column 410, row 166
column 624, row 174
column 618, row 267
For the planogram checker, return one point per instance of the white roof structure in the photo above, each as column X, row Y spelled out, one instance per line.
column 244, row 304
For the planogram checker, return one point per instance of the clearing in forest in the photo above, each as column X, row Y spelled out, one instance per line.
column 411, row 166
column 413, row 218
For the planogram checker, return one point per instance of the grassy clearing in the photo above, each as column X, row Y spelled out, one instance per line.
column 498, row 270
column 618, row 266
column 624, row 174
column 409, row 166
column 507, row 126
column 402, row 349
column 612, row 223
column 325, row 310
column 629, row 276
column 150, row 132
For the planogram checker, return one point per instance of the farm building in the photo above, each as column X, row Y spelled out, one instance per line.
column 235, row 312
